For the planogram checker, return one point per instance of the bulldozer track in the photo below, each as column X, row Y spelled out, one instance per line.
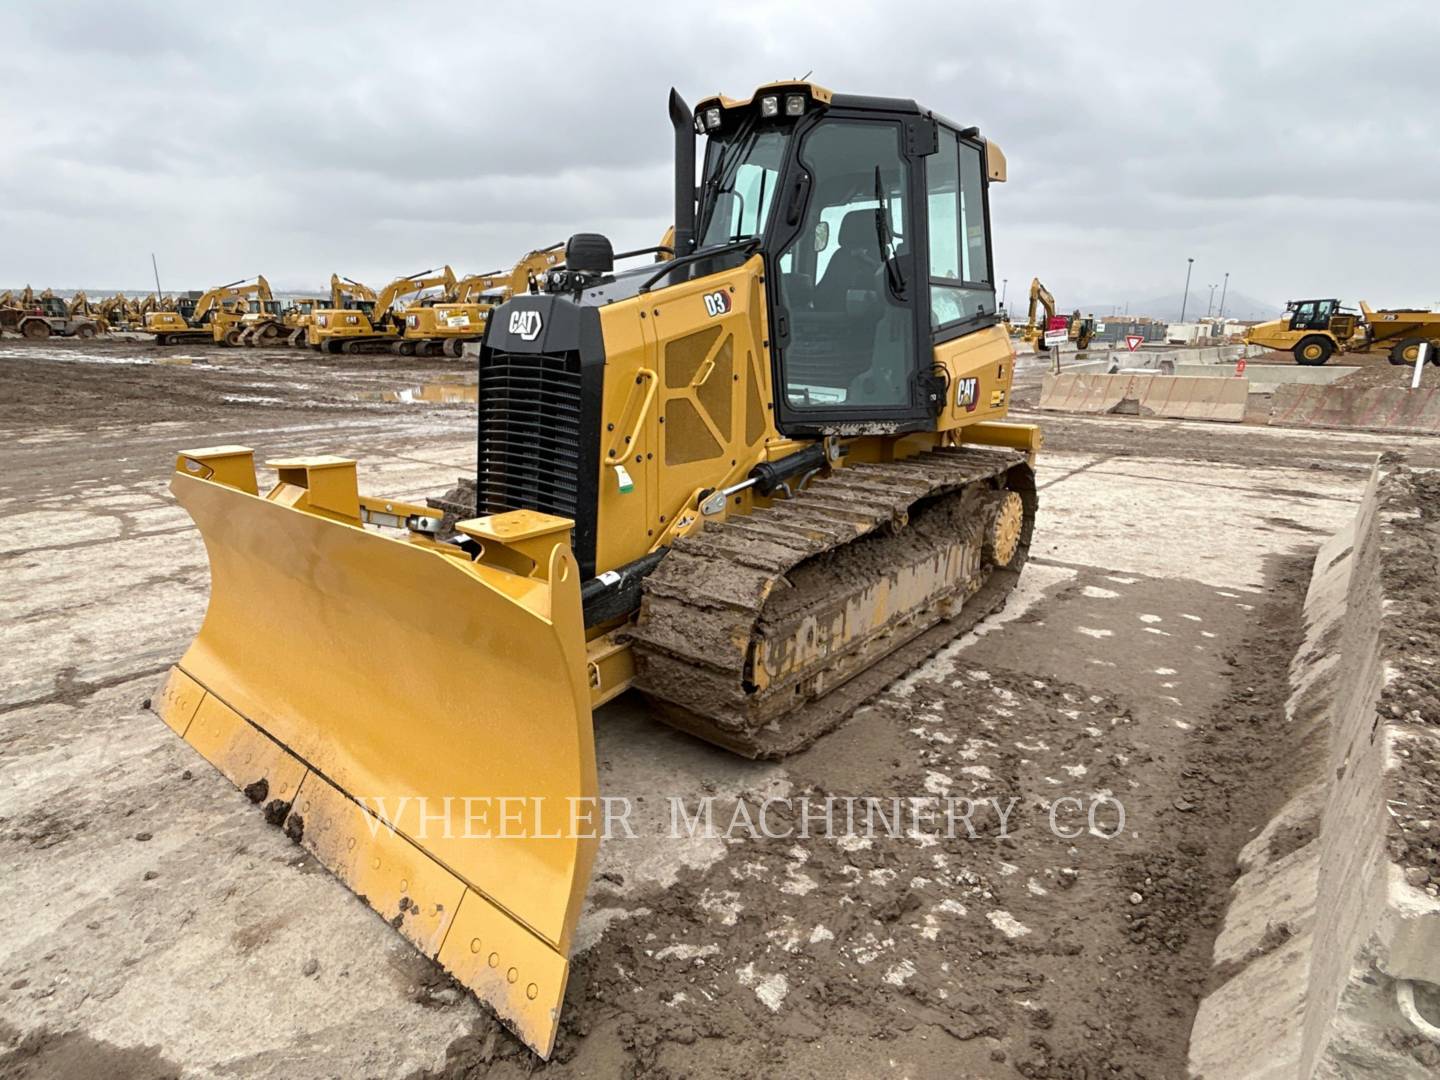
column 758, row 633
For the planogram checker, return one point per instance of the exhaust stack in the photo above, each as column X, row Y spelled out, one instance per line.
column 684, row 121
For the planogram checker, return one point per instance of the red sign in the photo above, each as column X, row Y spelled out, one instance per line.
column 1058, row 322
column 1240, row 366
column 1133, row 341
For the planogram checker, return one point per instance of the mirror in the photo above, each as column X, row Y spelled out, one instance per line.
column 822, row 235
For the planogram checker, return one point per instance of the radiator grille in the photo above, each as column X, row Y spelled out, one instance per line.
column 530, row 434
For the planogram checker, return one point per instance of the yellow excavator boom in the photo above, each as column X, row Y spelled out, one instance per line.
column 443, row 278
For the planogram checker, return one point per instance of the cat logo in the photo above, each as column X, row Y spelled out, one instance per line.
column 967, row 393
column 525, row 324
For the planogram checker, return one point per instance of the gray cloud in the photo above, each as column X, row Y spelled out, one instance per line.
column 1294, row 146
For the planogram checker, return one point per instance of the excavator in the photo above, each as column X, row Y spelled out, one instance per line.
column 12, row 307
column 115, row 311
column 753, row 483
column 215, row 317
column 443, row 327
column 372, row 326
column 1079, row 329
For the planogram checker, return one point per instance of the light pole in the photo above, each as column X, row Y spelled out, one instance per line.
column 1004, row 286
column 1190, row 265
column 1223, row 290
column 1210, row 306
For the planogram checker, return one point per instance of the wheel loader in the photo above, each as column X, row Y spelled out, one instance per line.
column 753, row 482
column 48, row 316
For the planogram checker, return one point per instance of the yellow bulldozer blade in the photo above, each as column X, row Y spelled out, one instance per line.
column 418, row 720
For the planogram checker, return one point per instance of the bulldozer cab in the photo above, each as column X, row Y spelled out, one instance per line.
column 872, row 220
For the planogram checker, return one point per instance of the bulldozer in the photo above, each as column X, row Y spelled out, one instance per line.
column 1079, row 329
column 753, row 482
column 216, row 316
column 1315, row 330
column 443, row 327
column 372, row 326
column 290, row 323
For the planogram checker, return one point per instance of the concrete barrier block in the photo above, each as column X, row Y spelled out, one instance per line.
column 1205, row 398
column 1142, row 394
column 1381, row 408
column 1272, row 904
column 1341, row 996
column 1250, row 1028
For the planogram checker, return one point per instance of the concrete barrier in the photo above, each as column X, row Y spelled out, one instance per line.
column 1377, row 408
column 1264, row 378
column 1137, row 394
column 1209, row 354
column 1329, row 954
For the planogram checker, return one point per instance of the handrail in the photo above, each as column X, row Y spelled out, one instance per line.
column 694, row 256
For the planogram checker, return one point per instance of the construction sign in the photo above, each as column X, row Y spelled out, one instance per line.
column 1057, row 330
column 1133, row 341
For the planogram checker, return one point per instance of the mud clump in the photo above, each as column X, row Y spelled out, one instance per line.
column 294, row 826
column 275, row 811
column 258, row 791
column 1174, row 898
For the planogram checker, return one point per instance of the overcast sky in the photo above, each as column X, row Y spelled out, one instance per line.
column 1295, row 145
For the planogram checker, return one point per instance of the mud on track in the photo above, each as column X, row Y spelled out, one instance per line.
column 1143, row 656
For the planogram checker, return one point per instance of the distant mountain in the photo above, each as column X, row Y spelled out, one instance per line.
column 1237, row 306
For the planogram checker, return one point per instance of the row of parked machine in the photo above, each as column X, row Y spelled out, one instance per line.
column 431, row 313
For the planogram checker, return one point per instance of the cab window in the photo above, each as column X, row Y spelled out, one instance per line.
column 960, row 279
column 851, row 330
column 744, row 187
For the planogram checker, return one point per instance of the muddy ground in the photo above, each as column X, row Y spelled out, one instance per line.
column 157, row 926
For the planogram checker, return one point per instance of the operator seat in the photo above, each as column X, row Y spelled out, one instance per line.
column 853, row 266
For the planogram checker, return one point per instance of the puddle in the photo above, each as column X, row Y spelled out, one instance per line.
column 435, row 393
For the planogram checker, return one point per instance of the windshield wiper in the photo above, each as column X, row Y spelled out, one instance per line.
column 726, row 165
column 886, row 238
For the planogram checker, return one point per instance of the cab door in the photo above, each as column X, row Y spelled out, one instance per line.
column 846, row 320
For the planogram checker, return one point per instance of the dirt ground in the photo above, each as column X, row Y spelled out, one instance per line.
column 157, row 926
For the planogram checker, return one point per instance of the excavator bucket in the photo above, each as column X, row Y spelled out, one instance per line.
column 416, row 718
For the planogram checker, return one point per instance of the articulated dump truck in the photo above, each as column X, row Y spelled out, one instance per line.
column 752, row 482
